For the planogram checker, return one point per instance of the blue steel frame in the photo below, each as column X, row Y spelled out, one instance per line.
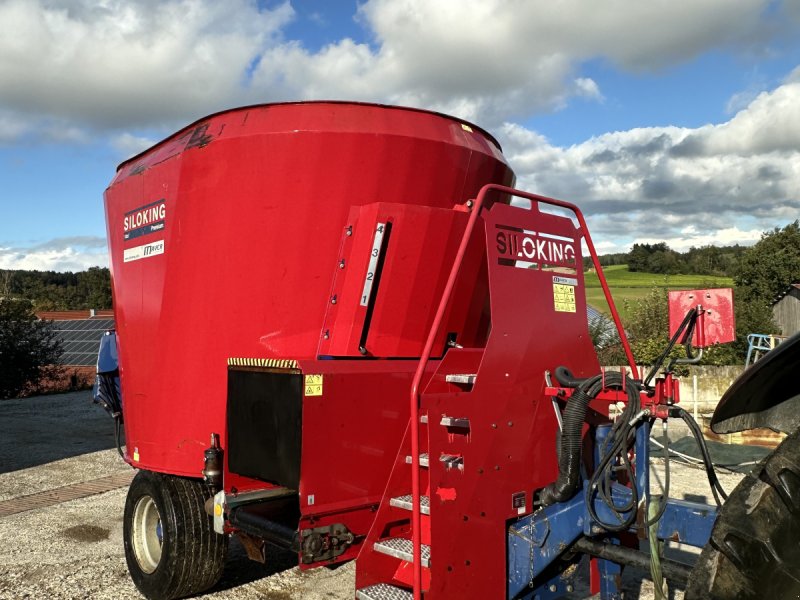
column 537, row 540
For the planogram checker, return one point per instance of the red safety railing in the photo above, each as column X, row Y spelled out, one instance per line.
column 416, row 515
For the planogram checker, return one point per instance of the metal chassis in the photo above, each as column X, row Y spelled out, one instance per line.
column 537, row 540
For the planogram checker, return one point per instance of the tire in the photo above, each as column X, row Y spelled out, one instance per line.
column 171, row 547
column 754, row 551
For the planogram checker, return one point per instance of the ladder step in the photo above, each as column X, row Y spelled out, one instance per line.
column 383, row 591
column 406, row 503
column 402, row 548
column 423, row 460
column 452, row 461
column 465, row 378
column 457, row 422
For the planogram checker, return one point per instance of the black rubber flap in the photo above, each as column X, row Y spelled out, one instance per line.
column 767, row 394
column 264, row 425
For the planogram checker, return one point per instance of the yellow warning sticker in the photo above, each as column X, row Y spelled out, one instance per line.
column 313, row 385
column 564, row 297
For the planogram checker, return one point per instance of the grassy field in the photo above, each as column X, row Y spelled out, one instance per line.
column 627, row 285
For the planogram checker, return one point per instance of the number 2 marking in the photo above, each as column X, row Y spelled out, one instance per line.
column 374, row 256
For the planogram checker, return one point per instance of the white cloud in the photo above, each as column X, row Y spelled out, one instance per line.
column 61, row 254
column 770, row 123
column 495, row 60
column 130, row 145
column 693, row 236
column 74, row 71
column 11, row 128
column 122, row 64
column 717, row 184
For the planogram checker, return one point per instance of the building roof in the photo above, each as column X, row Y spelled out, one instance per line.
column 80, row 337
column 606, row 330
column 789, row 288
column 68, row 315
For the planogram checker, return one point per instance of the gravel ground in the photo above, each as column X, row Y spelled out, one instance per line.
column 74, row 549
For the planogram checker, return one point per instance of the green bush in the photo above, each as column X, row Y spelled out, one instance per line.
column 29, row 349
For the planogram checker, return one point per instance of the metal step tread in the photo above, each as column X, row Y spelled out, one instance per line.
column 406, row 503
column 383, row 591
column 424, row 461
column 457, row 422
column 468, row 378
column 402, row 548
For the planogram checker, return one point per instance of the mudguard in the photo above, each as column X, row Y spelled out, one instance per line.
column 765, row 395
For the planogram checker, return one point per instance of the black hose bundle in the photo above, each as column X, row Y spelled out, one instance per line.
column 716, row 487
column 614, row 453
column 569, row 463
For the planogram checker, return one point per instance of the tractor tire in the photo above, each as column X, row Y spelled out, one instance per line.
column 171, row 547
column 754, row 550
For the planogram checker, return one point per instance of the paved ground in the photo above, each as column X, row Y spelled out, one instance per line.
column 73, row 549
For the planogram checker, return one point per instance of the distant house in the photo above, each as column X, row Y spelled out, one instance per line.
column 786, row 310
column 79, row 332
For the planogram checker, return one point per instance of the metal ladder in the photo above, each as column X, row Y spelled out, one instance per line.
column 415, row 451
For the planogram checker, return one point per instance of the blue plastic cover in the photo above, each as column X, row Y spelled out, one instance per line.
column 107, row 361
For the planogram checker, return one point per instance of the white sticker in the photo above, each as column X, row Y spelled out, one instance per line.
column 565, row 280
column 143, row 251
column 311, row 499
column 374, row 256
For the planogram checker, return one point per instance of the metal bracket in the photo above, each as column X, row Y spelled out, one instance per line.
column 325, row 543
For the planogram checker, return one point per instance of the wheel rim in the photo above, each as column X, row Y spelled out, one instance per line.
column 147, row 534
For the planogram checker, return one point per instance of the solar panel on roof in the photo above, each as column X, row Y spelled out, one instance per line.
column 606, row 330
column 80, row 339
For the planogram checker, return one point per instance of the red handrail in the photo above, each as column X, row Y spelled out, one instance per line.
column 416, row 516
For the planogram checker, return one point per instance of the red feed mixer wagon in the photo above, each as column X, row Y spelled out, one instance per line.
column 342, row 332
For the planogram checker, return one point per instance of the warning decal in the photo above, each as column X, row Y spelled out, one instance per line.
column 313, row 385
column 564, row 297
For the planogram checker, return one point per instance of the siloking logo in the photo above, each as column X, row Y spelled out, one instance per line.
column 144, row 220
column 523, row 248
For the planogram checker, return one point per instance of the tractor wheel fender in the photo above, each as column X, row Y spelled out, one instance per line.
column 765, row 395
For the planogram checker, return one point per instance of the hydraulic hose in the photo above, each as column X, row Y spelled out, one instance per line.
column 569, row 462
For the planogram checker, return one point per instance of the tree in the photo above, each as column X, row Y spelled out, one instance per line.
column 29, row 348
column 771, row 265
column 94, row 287
column 765, row 270
column 647, row 328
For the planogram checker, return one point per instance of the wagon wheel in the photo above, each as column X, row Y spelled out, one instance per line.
column 171, row 548
column 754, row 550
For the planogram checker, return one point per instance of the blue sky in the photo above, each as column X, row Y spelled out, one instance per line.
column 666, row 121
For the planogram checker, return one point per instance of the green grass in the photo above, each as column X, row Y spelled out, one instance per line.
column 626, row 285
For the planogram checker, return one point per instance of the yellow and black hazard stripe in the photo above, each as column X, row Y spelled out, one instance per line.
column 270, row 363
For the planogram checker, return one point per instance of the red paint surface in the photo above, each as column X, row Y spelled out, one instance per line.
column 717, row 324
column 510, row 444
column 256, row 204
column 446, row 494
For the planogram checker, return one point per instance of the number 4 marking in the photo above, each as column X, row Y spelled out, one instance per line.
column 374, row 256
